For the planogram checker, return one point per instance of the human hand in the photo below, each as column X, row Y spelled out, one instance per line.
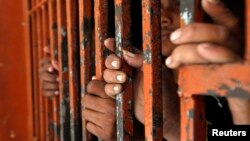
column 48, row 75
column 99, row 111
column 219, row 42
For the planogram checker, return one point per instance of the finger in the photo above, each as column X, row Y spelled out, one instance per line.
column 216, row 54
column 185, row 54
column 94, row 129
column 96, row 87
column 113, row 89
column 220, row 13
column 50, row 93
column 55, row 65
column 93, row 116
column 112, row 76
column 200, row 32
column 98, row 104
column 44, row 61
column 46, row 76
column 113, row 62
column 134, row 60
column 46, row 50
column 46, row 67
column 110, row 44
column 50, row 86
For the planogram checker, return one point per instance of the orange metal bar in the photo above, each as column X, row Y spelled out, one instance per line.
column 86, row 30
column 193, row 120
column 47, row 100
column 152, row 70
column 124, row 104
column 40, row 95
column 74, row 70
column 35, row 76
column 63, row 71
column 101, row 30
column 54, row 56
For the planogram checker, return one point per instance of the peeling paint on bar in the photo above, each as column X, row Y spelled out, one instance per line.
column 187, row 11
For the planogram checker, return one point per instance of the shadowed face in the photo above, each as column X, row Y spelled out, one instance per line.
column 169, row 23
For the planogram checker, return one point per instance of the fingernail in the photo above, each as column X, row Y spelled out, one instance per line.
column 115, row 64
column 116, row 88
column 120, row 77
column 93, row 78
column 175, row 35
column 106, row 42
column 213, row 1
column 56, row 92
column 128, row 53
column 46, row 49
column 50, row 69
column 57, row 79
column 168, row 61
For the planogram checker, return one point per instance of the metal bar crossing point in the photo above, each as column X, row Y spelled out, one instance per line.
column 86, row 46
column 152, row 70
column 74, row 69
column 63, row 71
column 123, row 37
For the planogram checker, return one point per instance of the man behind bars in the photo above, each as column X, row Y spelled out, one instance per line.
column 219, row 41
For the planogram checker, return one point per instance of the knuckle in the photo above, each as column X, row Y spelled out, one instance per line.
column 90, row 86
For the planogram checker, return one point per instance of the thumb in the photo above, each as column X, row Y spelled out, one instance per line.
column 134, row 60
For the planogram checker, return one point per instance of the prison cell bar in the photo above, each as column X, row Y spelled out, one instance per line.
column 123, row 38
column 219, row 80
column 40, row 53
column 35, row 76
column 54, row 56
column 151, row 10
column 86, row 46
column 48, row 100
column 63, row 71
column 74, row 74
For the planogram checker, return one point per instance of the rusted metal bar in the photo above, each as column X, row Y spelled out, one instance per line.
column 193, row 120
column 86, row 30
column 152, row 70
column 124, row 104
column 54, row 56
column 35, row 76
column 48, row 100
column 37, row 6
column 101, row 33
column 40, row 53
column 192, row 108
column 74, row 69
column 63, row 71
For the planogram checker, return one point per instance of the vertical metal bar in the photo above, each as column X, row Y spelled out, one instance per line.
column 192, row 108
column 247, row 54
column 124, row 104
column 48, row 100
column 35, row 75
column 41, row 103
column 74, row 69
column 86, row 52
column 40, row 51
column 63, row 71
column 193, row 120
column 152, row 70
column 101, row 32
column 54, row 56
